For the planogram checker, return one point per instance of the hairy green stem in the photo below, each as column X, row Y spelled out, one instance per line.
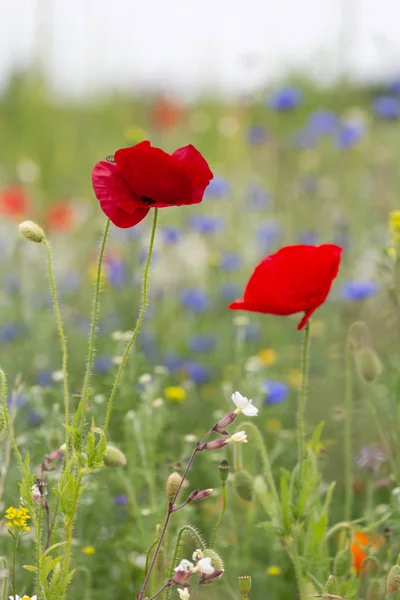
column 137, row 327
column 80, row 413
column 221, row 516
column 70, row 526
column 296, row 560
column 191, row 532
column 39, row 547
column 63, row 342
column 303, row 398
column 14, row 567
column 8, row 424
column 348, row 452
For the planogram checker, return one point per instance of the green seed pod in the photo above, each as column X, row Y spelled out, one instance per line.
column 113, row 457
column 368, row 365
column 244, row 486
column 32, row 232
column 172, row 485
column 216, row 562
column 244, row 582
column 393, row 579
column 376, row 590
column 224, row 468
column 331, row 586
column 342, row 563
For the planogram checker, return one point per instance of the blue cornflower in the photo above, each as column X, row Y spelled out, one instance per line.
column 196, row 372
column 121, row 499
column 9, row 332
column 195, row 299
column 34, row 418
column 147, row 342
column 230, row 291
column 171, row 235
column 252, row 332
column 44, row 378
column 387, row 107
column 258, row 198
column 268, row 233
column 358, row 290
column 102, row 364
column 323, row 122
column 217, row 188
column 350, row 133
column 287, row 98
column 173, row 362
column 202, row 343
column 256, row 135
column 394, row 86
column 230, row 261
column 19, row 401
column 116, row 273
column 206, row 223
column 275, row 391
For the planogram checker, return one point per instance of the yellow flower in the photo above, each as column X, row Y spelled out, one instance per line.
column 295, row 378
column 273, row 570
column 89, row 550
column 135, row 134
column 175, row 393
column 391, row 252
column 214, row 259
column 17, row 517
column 273, row 425
column 267, row 356
column 93, row 274
column 394, row 222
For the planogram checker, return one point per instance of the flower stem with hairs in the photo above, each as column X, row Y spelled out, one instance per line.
column 303, row 397
column 348, row 452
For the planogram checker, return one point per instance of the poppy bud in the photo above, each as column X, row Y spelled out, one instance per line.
column 244, row 582
column 244, row 487
column 31, row 231
column 224, row 468
column 331, row 586
column 342, row 563
column 172, row 485
column 393, row 579
column 113, row 457
column 376, row 590
column 368, row 364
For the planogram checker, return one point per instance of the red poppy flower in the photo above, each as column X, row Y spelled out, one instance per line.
column 60, row 216
column 294, row 279
column 143, row 177
column 13, row 201
column 360, row 546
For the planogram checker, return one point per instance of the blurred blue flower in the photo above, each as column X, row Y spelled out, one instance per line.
column 102, row 364
column 196, row 372
column 116, row 273
column 323, row 122
column 206, row 223
column 231, row 291
column 9, row 332
column 195, row 299
column 350, row 132
column 230, row 261
column 358, row 290
column 44, row 378
column 305, row 138
column 82, row 324
column 18, row 402
column 202, row 343
column 287, row 98
column 267, row 234
column 252, row 332
column 309, row 237
column 256, row 135
column 147, row 342
column 275, row 391
column 258, row 198
column 34, row 418
column 173, row 362
column 171, row 235
column 121, row 499
column 70, row 282
column 394, row 86
column 387, row 107
column 217, row 188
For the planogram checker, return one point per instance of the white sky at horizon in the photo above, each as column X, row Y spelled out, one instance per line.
column 189, row 45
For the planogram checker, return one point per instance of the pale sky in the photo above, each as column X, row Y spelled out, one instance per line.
column 227, row 45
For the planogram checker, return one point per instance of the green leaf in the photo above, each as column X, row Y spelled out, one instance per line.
column 30, row 568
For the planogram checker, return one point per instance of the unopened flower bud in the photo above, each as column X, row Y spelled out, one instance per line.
column 368, row 365
column 217, row 564
column 224, row 468
column 113, row 457
column 199, row 495
column 342, row 563
column 376, row 590
column 223, row 423
column 331, row 586
column 214, row 576
column 31, row 231
column 172, row 485
column 215, row 444
column 244, row 487
column 244, row 582
column 393, row 579
column 240, row 437
column 55, row 455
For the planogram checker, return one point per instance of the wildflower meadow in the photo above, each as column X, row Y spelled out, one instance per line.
column 199, row 345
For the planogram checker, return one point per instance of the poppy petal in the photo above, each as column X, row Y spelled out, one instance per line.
column 113, row 193
column 194, row 164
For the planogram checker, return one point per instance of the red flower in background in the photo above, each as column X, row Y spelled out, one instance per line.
column 143, row 177
column 14, row 201
column 294, row 279
column 360, row 547
column 60, row 217
column 166, row 113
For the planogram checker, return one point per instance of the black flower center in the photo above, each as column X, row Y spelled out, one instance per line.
column 147, row 200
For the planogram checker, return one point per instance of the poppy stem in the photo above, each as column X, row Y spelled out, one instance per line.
column 303, row 397
column 348, row 453
column 137, row 327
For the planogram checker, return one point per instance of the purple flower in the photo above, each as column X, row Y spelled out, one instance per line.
column 202, row 343
column 230, row 261
column 195, row 300
column 196, row 372
column 256, row 135
column 350, row 133
column 121, row 500
column 102, row 364
column 287, row 98
column 275, row 391
column 323, row 122
column 387, row 107
column 171, row 235
column 217, row 188
column 206, row 224
column 358, row 290
column 370, row 458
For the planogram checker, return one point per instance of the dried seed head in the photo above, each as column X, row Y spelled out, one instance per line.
column 113, row 457
column 244, row 582
column 31, row 231
column 224, row 468
column 172, row 485
column 244, row 485
column 393, row 579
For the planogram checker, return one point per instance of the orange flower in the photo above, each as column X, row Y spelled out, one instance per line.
column 13, row 201
column 360, row 547
column 60, row 217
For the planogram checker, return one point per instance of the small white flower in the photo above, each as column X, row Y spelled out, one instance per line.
column 244, row 405
column 116, row 360
column 22, row 597
column 185, row 565
column 197, row 554
column 157, row 402
column 240, row 437
column 396, row 491
column 183, row 594
column 144, row 379
column 56, row 376
column 204, row 566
